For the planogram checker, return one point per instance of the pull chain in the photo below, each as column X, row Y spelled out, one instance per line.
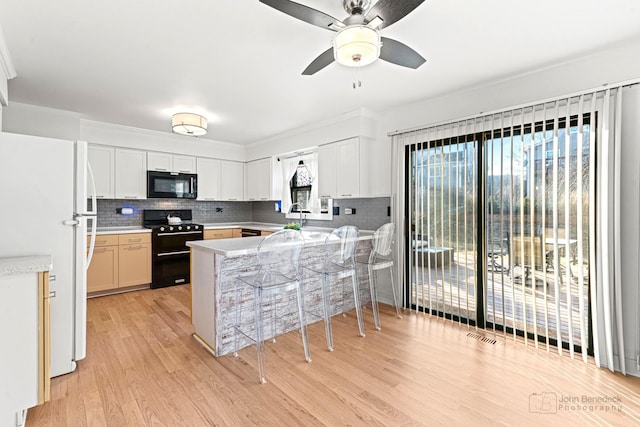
column 356, row 77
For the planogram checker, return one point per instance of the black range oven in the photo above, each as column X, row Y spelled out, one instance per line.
column 170, row 254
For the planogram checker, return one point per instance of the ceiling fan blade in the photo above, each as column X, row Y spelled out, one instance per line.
column 400, row 54
column 320, row 62
column 305, row 13
column 391, row 11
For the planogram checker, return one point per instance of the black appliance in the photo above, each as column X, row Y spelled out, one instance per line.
column 248, row 232
column 172, row 185
column 171, row 258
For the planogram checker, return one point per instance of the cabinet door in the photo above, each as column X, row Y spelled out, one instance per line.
column 259, row 179
column 162, row 162
column 231, row 180
column 131, row 174
column 327, row 171
column 102, row 165
column 348, row 168
column 184, row 164
column 135, row 265
column 103, row 271
column 208, row 179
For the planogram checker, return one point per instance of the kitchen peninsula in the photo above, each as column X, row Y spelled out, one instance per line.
column 216, row 263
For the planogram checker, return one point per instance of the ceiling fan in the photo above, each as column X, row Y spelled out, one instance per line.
column 357, row 41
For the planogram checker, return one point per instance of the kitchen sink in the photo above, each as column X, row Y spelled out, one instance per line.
column 313, row 235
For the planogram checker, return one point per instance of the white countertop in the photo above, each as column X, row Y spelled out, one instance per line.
column 262, row 226
column 122, row 230
column 252, row 225
column 25, row 264
column 249, row 245
column 207, row 226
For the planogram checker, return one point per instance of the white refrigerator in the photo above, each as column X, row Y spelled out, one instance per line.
column 45, row 211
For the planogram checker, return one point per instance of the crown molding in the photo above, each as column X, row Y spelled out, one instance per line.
column 5, row 58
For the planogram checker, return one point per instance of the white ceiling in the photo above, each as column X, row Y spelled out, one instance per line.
column 239, row 62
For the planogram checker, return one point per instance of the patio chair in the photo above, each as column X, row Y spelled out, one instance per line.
column 521, row 253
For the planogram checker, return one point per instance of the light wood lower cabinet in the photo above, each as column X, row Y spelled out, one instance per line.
column 119, row 261
column 103, row 271
column 134, row 264
column 44, row 338
column 222, row 233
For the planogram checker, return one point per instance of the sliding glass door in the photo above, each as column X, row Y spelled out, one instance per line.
column 442, row 200
column 499, row 224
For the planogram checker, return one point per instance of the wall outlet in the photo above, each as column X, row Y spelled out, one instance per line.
column 349, row 211
column 124, row 211
column 219, row 209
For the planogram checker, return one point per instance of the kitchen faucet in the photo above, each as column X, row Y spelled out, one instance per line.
column 299, row 210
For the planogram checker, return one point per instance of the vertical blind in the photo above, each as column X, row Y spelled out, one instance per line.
column 501, row 214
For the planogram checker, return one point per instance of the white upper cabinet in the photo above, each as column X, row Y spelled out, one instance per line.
column 259, row 182
column 131, row 174
column 327, row 171
column 348, row 168
column 209, row 172
column 231, row 180
column 162, row 162
column 339, row 169
column 102, row 161
column 166, row 162
column 220, row 179
column 184, row 164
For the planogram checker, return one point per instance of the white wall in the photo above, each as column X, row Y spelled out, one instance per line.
column 335, row 129
column 40, row 121
column 619, row 63
column 108, row 134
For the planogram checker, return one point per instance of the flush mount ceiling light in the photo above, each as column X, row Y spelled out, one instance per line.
column 189, row 124
column 356, row 46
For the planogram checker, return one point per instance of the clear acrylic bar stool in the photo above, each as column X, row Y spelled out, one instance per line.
column 278, row 272
column 379, row 259
column 339, row 251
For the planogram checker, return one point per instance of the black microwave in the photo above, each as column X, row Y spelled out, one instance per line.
column 171, row 185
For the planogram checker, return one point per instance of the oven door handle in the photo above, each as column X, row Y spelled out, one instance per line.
column 173, row 253
column 178, row 233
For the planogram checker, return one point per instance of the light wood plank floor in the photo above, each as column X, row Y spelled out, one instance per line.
column 143, row 368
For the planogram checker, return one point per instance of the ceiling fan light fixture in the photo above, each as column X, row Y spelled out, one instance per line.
column 356, row 46
column 190, row 124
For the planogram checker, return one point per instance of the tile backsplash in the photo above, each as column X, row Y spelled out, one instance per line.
column 370, row 213
column 203, row 212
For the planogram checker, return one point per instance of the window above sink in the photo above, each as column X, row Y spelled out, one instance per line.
column 299, row 172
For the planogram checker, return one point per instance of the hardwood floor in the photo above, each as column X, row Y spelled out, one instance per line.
column 143, row 368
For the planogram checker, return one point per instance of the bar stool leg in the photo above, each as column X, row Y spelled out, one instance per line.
column 356, row 300
column 393, row 291
column 326, row 306
column 374, row 296
column 259, row 333
column 303, row 324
